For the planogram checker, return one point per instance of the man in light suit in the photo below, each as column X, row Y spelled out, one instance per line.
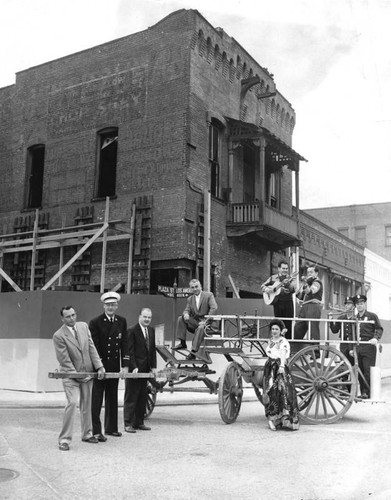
column 193, row 317
column 76, row 352
column 142, row 359
column 108, row 332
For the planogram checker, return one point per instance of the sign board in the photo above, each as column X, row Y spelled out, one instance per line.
column 174, row 292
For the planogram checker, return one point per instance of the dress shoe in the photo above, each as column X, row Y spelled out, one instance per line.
column 143, row 427
column 364, row 396
column 115, row 434
column 179, row 347
column 190, row 356
column 131, row 430
column 63, row 446
column 101, row 438
column 272, row 427
column 92, row 439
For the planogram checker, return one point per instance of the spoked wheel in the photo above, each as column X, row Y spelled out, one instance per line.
column 151, row 400
column 325, row 384
column 230, row 393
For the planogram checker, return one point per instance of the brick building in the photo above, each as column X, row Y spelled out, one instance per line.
column 369, row 225
column 185, row 134
column 149, row 160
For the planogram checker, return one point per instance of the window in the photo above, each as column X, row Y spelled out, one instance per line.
column 273, row 190
column 388, row 236
column 344, row 231
column 214, row 157
column 107, row 162
column 360, row 235
column 34, row 174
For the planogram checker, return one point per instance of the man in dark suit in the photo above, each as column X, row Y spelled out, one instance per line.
column 366, row 353
column 76, row 352
column 141, row 352
column 193, row 317
column 108, row 332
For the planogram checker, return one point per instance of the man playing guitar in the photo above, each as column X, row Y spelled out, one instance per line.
column 278, row 290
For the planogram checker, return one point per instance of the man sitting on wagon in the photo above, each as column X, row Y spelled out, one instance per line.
column 192, row 319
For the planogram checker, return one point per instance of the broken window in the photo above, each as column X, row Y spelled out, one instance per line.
column 107, row 162
column 34, row 174
column 215, row 131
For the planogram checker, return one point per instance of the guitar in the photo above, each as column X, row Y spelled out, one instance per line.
column 271, row 298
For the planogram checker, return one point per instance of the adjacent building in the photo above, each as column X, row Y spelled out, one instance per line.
column 369, row 225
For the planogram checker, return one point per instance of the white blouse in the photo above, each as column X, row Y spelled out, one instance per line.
column 278, row 349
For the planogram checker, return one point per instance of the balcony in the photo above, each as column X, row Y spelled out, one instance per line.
column 277, row 230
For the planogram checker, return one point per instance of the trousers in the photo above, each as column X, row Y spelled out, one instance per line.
column 75, row 390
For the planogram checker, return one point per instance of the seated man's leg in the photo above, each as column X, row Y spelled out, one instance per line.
column 199, row 336
column 180, row 335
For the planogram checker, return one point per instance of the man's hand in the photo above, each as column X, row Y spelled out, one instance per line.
column 101, row 373
column 281, row 369
column 135, row 370
column 154, row 371
column 186, row 316
column 124, row 371
column 373, row 341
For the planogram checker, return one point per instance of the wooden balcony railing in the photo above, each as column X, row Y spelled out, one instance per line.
column 263, row 215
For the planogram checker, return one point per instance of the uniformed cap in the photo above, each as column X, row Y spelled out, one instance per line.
column 349, row 300
column 110, row 297
column 359, row 298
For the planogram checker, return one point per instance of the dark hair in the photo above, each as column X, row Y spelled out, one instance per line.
column 282, row 262
column 314, row 267
column 65, row 308
column 277, row 322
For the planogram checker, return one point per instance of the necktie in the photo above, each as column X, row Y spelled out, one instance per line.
column 76, row 335
column 146, row 337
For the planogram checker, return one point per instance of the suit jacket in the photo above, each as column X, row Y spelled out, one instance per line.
column 208, row 305
column 141, row 356
column 109, row 339
column 75, row 357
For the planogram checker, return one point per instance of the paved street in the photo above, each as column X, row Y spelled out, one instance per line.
column 191, row 454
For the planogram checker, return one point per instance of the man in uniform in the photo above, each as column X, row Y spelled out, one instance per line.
column 75, row 352
column 283, row 302
column 346, row 329
column 141, row 358
column 109, row 335
column 193, row 317
column 366, row 353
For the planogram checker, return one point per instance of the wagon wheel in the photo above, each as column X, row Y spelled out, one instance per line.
column 230, row 393
column 151, row 400
column 325, row 384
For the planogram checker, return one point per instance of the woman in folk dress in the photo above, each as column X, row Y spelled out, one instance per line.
column 279, row 395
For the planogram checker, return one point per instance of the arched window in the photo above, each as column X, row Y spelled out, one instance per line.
column 107, row 162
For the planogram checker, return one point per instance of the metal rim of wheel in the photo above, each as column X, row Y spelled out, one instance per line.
column 151, row 400
column 230, row 393
column 325, row 384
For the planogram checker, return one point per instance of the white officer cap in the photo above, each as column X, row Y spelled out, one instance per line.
column 110, row 297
